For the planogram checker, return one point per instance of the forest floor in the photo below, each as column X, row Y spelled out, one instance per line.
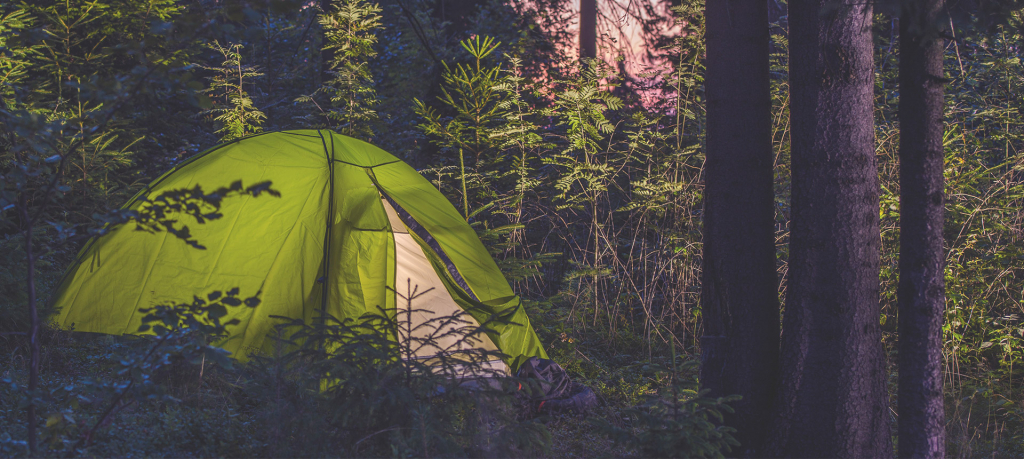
column 200, row 410
column 210, row 418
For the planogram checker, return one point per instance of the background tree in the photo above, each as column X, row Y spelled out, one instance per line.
column 832, row 397
column 602, row 239
column 740, row 344
column 921, row 293
column 326, row 52
column 350, row 28
column 588, row 28
column 239, row 117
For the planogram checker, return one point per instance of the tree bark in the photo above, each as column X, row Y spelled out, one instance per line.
column 832, row 394
column 740, row 344
column 921, row 291
column 588, row 28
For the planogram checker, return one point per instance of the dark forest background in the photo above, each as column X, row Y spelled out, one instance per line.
column 584, row 177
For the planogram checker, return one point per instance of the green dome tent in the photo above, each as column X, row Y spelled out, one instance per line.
column 352, row 219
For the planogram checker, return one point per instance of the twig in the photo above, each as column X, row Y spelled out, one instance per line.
column 418, row 30
column 87, row 437
column 355, row 447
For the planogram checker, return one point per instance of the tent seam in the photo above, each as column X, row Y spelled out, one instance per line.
column 293, row 133
column 362, row 166
column 324, row 291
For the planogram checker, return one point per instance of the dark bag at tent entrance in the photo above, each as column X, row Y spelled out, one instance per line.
column 558, row 392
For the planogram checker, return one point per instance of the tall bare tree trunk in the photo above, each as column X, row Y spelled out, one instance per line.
column 588, row 28
column 832, row 394
column 921, row 293
column 740, row 345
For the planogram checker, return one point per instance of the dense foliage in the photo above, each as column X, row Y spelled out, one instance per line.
column 583, row 180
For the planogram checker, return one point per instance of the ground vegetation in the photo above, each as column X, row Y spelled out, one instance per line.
column 586, row 182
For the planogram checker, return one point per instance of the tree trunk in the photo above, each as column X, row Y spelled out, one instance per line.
column 740, row 345
column 459, row 14
column 921, row 293
column 588, row 28
column 832, row 394
column 33, row 333
column 326, row 55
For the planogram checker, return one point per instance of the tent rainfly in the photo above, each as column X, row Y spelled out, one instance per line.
column 354, row 225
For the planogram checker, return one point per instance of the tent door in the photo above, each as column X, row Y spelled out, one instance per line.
column 434, row 313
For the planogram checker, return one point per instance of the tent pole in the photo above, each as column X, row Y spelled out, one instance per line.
column 324, row 292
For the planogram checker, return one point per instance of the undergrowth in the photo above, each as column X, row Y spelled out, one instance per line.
column 583, row 181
